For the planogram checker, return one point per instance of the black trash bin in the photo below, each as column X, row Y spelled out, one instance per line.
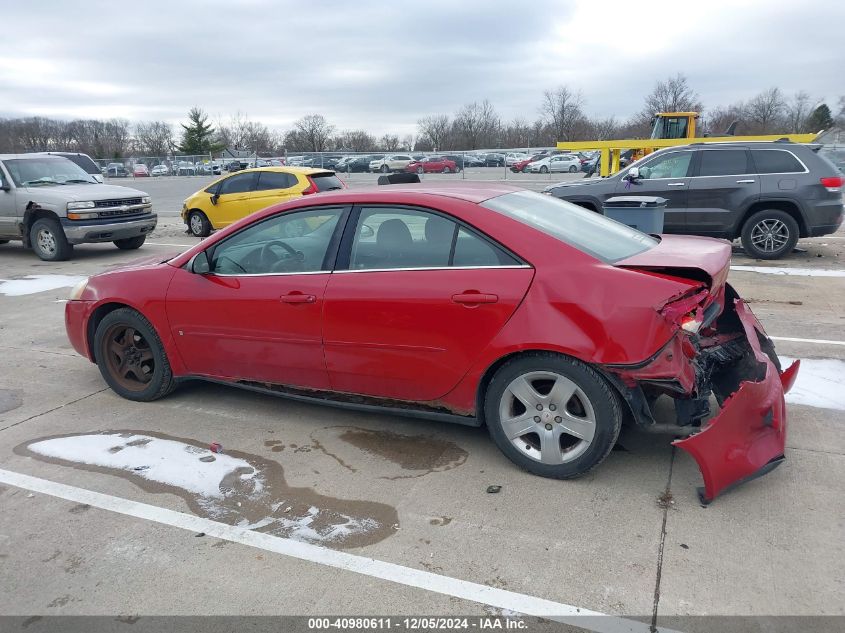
column 644, row 213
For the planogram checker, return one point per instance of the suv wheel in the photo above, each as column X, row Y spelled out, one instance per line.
column 48, row 240
column 198, row 224
column 552, row 415
column 130, row 243
column 769, row 234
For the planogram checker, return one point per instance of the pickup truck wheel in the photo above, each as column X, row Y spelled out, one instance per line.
column 131, row 243
column 769, row 234
column 130, row 356
column 48, row 240
column 198, row 224
column 552, row 415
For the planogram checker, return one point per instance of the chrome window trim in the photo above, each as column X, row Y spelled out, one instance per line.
column 310, row 272
column 779, row 173
column 390, row 270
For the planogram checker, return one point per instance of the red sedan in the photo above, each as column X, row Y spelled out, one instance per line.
column 432, row 165
column 476, row 303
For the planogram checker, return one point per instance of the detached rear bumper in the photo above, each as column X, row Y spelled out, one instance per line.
column 748, row 436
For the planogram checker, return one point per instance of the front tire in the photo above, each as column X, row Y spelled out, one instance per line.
column 552, row 415
column 544, row 170
column 446, row 170
column 130, row 356
column 48, row 240
column 572, row 169
column 769, row 234
column 384, row 169
column 420, row 170
column 131, row 243
column 198, row 224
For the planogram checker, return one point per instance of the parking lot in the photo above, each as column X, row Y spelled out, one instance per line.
column 629, row 540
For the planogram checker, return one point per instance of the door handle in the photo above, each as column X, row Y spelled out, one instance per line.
column 675, row 184
column 297, row 297
column 744, row 182
column 474, row 298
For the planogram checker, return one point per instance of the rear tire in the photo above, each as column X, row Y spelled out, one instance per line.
column 48, row 240
column 384, row 169
column 130, row 356
column 198, row 224
column 420, row 170
column 572, row 169
column 544, row 169
column 769, row 234
column 131, row 243
column 563, row 423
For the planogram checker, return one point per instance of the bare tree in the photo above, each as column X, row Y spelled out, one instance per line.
column 562, row 110
column 476, row 124
column 154, row 138
column 436, row 129
column 797, row 111
column 389, row 142
column 719, row 119
column 602, row 129
column 766, row 109
column 671, row 95
column 311, row 133
column 355, row 141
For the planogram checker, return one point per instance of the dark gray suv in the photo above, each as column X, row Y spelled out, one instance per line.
column 767, row 194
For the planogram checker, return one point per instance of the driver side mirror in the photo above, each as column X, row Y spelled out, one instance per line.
column 200, row 264
column 633, row 174
column 214, row 198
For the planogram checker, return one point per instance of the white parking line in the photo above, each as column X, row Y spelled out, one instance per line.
column 408, row 576
column 819, row 341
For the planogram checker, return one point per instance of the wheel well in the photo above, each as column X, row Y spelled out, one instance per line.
column 586, row 205
column 484, row 383
column 94, row 321
column 34, row 212
column 781, row 205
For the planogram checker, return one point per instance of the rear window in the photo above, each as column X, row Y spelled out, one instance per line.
column 327, row 182
column 274, row 180
column 587, row 231
column 724, row 162
column 776, row 161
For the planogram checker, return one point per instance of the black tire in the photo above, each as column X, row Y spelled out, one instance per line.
column 131, row 243
column 161, row 383
column 572, row 169
column 48, row 240
column 198, row 224
column 420, row 170
column 544, row 169
column 446, row 170
column 384, row 169
column 782, row 228
column 603, row 401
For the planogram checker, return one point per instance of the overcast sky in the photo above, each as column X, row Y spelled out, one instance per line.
column 383, row 65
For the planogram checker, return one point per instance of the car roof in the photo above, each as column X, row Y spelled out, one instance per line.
column 33, row 155
column 305, row 171
column 738, row 144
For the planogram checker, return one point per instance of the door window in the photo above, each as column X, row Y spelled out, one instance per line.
column 274, row 180
column 237, row 184
column 671, row 165
column 287, row 243
column 388, row 238
column 724, row 162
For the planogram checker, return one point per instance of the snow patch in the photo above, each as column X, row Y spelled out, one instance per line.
column 820, row 383
column 794, row 272
column 32, row 284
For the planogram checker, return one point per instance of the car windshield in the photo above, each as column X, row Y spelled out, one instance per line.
column 46, row 171
column 589, row 232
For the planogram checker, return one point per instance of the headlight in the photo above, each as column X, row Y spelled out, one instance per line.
column 146, row 200
column 80, row 205
column 78, row 289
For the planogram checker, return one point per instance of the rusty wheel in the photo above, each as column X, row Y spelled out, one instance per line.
column 131, row 357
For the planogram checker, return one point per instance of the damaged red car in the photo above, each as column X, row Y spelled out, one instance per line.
column 479, row 303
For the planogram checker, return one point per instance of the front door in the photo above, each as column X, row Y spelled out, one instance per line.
column 256, row 315
column 8, row 212
column 666, row 176
column 420, row 298
column 235, row 199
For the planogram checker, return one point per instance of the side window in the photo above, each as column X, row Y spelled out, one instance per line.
column 237, row 184
column 287, row 243
column 274, row 180
column 724, row 162
column 775, row 161
column 671, row 165
column 472, row 250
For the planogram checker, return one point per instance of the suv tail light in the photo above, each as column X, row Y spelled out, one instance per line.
column 833, row 184
column 312, row 187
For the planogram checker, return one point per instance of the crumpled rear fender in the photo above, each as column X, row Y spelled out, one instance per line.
column 748, row 436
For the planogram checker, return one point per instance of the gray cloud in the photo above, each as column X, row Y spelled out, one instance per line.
column 382, row 66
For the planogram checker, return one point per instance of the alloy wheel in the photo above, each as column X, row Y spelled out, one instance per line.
column 770, row 235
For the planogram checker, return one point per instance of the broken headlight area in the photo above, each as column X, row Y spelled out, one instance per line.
column 728, row 360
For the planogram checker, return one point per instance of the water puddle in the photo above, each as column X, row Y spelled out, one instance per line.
column 10, row 399
column 32, row 284
column 406, row 455
column 232, row 487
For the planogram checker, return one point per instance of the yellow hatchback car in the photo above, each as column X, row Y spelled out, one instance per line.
column 232, row 197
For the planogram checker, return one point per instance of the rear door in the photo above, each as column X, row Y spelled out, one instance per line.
column 724, row 184
column 415, row 298
column 666, row 175
column 273, row 187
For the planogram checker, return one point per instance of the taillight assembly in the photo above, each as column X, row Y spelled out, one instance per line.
column 833, row 183
column 312, row 187
column 692, row 322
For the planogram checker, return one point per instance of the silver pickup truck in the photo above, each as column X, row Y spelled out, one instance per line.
column 51, row 204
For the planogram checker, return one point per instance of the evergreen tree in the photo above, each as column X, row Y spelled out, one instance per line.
column 820, row 119
column 198, row 134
